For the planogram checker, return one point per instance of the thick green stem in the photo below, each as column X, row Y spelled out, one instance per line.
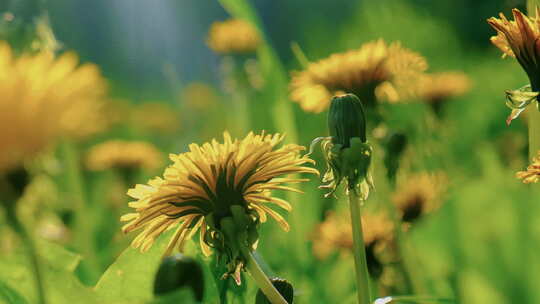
column 533, row 115
column 262, row 280
column 362, row 274
column 31, row 252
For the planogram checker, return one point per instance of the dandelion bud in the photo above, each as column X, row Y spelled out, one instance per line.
column 346, row 119
column 179, row 271
column 347, row 152
column 283, row 286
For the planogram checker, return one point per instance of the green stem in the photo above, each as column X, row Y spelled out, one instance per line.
column 362, row 274
column 30, row 250
column 262, row 280
column 533, row 114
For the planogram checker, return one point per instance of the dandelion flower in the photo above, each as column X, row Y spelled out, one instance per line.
column 223, row 189
column 532, row 173
column 199, row 97
column 388, row 70
column 518, row 39
column 44, row 98
column 335, row 234
column 123, row 154
column 418, row 194
column 156, row 117
column 233, row 36
column 437, row 88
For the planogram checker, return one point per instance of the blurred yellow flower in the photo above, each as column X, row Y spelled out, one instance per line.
column 519, row 39
column 439, row 87
column 532, row 173
column 389, row 71
column 419, row 194
column 199, row 96
column 233, row 36
column 123, row 154
column 335, row 233
column 156, row 117
column 212, row 183
column 43, row 98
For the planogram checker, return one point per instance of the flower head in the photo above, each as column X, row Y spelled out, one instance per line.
column 335, row 234
column 374, row 68
column 439, row 87
column 532, row 174
column 520, row 39
column 155, row 117
column 233, row 36
column 123, row 154
column 222, row 188
column 418, row 194
column 44, row 98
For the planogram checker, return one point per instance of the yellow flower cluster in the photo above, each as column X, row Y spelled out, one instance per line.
column 43, row 98
column 123, row 154
column 389, row 71
column 233, row 36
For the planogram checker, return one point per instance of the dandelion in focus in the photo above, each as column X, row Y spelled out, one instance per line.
column 233, row 36
column 418, row 194
column 532, row 173
column 223, row 189
column 44, row 98
column 376, row 69
column 518, row 39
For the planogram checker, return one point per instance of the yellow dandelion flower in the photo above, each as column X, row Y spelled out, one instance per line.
column 375, row 68
column 419, row 194
column 156, row 117
column 519, row 39
column 439, row 87
column 213, row 184
column 43, row 98
column 532, row 173
column 199, row 96
column 233, row 36
column 335, row 234
column 123, row 154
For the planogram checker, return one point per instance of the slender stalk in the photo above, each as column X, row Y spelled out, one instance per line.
column 360, row 263
column 31, row 252
column 261, row 279
column 533, row 114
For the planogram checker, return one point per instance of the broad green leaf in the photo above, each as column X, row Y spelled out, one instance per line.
column 130, row 278
column 61, row 285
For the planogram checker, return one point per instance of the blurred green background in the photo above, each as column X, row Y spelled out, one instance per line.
column 481, row 246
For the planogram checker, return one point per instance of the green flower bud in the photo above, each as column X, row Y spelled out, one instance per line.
column 179, row 271
column 346, row 119
column 347, row 152
column 283, row 286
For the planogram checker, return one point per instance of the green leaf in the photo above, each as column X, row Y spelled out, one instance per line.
column 130, row 279
column 8, row 295
column 58, row 256
column 61, row 285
